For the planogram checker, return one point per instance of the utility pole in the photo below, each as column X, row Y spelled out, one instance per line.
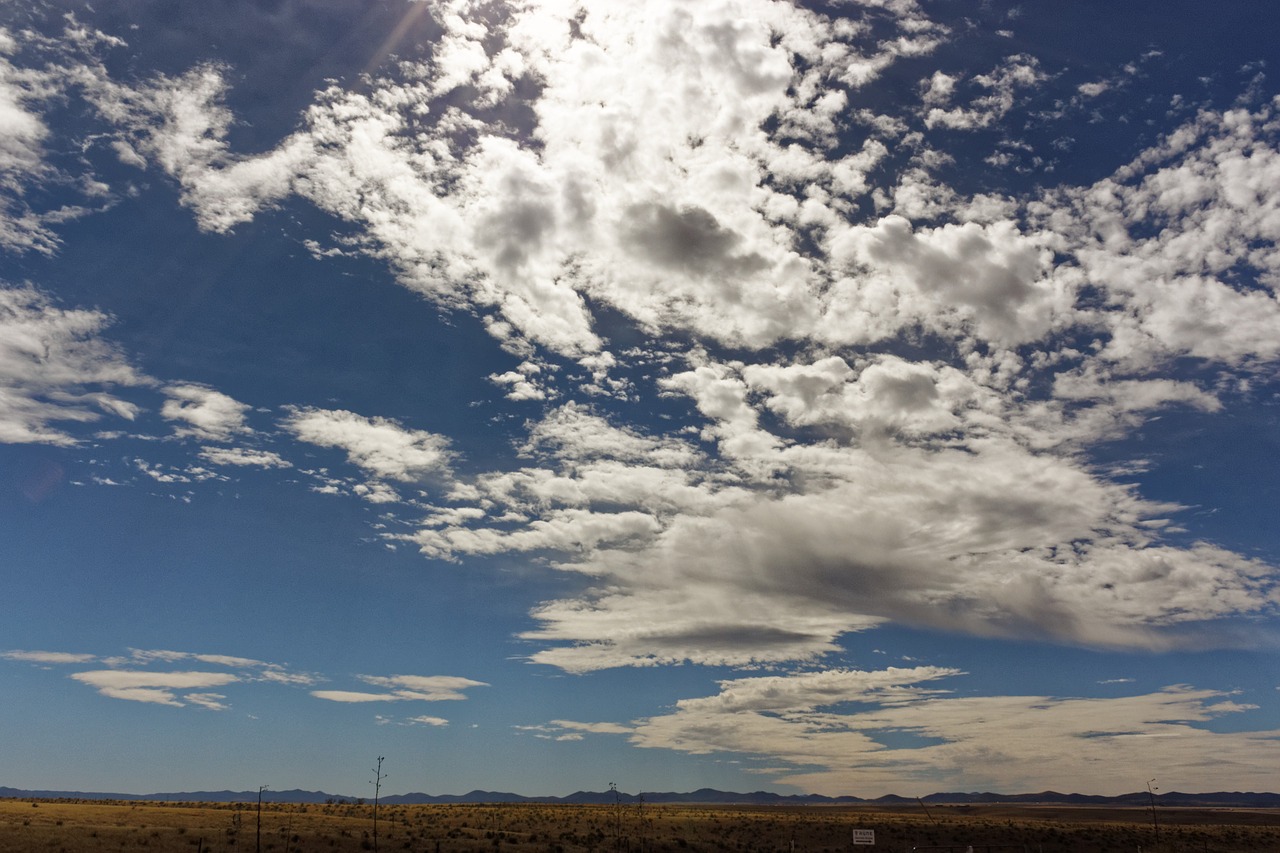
column 1155, row 823
column 617, row 816
column 377, row 789
column 257, row 843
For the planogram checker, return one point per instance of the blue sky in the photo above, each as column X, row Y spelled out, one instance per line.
column 854, row 398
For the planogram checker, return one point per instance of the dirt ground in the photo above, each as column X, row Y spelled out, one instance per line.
column 61, row 825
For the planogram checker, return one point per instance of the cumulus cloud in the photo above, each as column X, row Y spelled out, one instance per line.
column 203, row 412
column 642, row 192
column 928, row 506
column 990, row 281
column 999, row 88
column 889, row 387
column 849, row 484
column 380, row 446
column 590, row 470
column 1177, row 236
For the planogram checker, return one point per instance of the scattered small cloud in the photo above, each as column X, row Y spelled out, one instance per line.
column 243, row 457
column 204, row 413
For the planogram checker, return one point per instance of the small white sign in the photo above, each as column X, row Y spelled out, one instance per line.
column 864, row 836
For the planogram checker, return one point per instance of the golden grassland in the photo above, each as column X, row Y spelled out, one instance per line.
column 80, row 825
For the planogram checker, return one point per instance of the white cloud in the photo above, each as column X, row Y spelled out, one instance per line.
column 1174, row 238
column 827, row 725
column 156, row 687
column 988, row 280
column 47, row 657
column 38, row 75
column 574, row 432
column 642, row 192
column 380, row 446
column 22, row 136
column 594, row 728
column 127, row 680
column 830, row 480
column 353, row 696
column 203, row 413
column 148, row 695
column 929, row 508
column 24, row 92
column 212, row 701
column 244, row 456
column 1001, row 88
column 55, row 367
column 940, row 493
column 278, row 675
column 523, row 383
column 430, row 688
column 404, row 688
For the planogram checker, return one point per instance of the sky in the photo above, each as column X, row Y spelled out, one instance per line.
column 853, row 398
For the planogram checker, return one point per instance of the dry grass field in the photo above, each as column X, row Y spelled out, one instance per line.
column 73, row 826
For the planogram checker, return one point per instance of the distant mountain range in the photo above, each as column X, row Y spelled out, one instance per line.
column 703, row 795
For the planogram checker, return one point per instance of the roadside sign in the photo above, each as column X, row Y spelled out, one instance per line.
column 864, row 836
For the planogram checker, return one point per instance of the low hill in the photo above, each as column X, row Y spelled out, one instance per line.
column 708, row 796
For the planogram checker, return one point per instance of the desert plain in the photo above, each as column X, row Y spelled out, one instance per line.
column 29, row 826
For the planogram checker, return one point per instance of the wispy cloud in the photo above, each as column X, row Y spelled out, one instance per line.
column 56, row 367
column 143, row 675
column 354, row 696
column 402, row 688
column 154, row 687
column 594, row 728
column 48, row 657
